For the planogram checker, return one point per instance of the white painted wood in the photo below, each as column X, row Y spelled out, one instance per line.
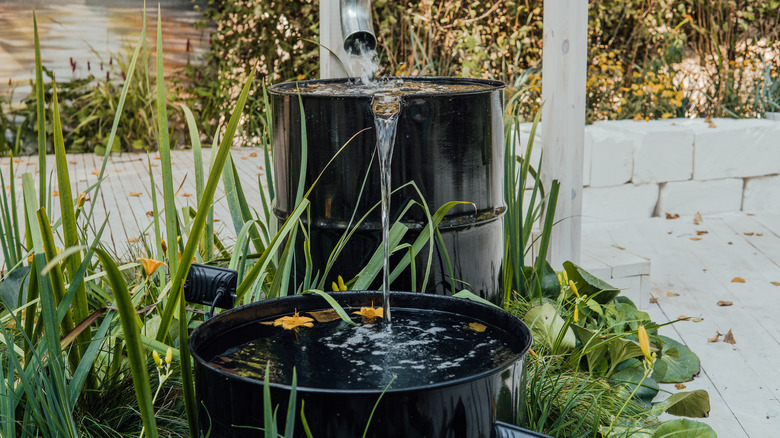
column 331, row 38
column 563, row 115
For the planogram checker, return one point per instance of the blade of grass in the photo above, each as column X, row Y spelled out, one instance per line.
column 41, row 113
column 197, row 156
column 135, row 351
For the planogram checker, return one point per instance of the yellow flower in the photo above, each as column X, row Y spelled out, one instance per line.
column 156, row 357
column 370, row 313
column 294, row 321
column 169, row 356
column 150, row 265
column 644, row 342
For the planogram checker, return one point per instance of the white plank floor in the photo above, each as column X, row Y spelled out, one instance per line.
column 743, row 379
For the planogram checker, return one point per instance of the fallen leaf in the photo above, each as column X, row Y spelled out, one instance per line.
column 132, row 240
column 294, row 321
column 186, row 195
column 369, row 313
column 724, row 303
column 244, row 158
column 217, row 220
column 72, row 162
column 712, row 125
column 267, row 322
column 729, row 338
column 680, row 386
column 697, row 219
column 747, row 234
column 325, row 315
column 96, row 172
column 708, row 119
column 653, row 300
column 18, row 160
column 117, row 171
column 154, row 165
column 253, row 154
column 737, row 280
column 759, row 234
column 689, row 318
column 477, row 327
column 150, row 213
column 55, row 193
column 157, row 157
column 672, row 216
column 776, row 283
column 715, row 338
column 701, row 232
column 695, row 238
column 672, row 294
column 135, row 194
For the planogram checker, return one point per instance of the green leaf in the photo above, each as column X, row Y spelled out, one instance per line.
column 335, row 305
column 680, row 364
column 546, row 326
column 13, row 288
column 589, row 285
column 684, row 428
column 469, row 295
column 693, row 404
column 631, row 377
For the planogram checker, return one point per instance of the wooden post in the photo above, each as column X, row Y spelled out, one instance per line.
column 564, row 69
column 331, row 38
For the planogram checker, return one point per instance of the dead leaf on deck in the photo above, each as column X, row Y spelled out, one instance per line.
column 477, row 327
column 55, row 193
column 715, row 338
column 697, row 219
column 701, row 232
column 724, row 303
column 775, row 283
column 695, row 238
column 154, row 165
column 747, row 234
column 653, row 300
column 672, row 294
column 96, row 172
column 72, row 162
column 136, row 194
column 672, row 216
column 186, row 195
column 680, row 386
column 253, row 154
column 708, row 119
column 729, row 338
column 712, row 125
column 150, row 213
column 737, row 280
column 325, row 315
column 759, row 234
column 132, row 240
column 244, row 158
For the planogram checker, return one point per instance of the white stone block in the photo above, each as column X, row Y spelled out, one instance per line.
column 587, row 153
column 663, row 148
column 612, row 157
column 761, row 193
column 705, row 197
column 736, row 148
column 627, row 201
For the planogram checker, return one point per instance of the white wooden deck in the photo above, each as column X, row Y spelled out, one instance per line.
column 743, row 379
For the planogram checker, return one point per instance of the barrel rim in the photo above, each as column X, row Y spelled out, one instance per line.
column 525, row 334
column 291, row 88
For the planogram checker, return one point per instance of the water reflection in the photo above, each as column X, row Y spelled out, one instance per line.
column 85, row 31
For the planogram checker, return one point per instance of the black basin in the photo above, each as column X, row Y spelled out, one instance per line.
column 465, row 407
column 450, row 144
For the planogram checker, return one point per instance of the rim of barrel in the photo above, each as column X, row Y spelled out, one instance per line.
column 291, row 88
column 525, row 333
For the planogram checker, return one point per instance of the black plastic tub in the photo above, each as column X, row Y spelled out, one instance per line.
column 232, row 406
column 450, row 144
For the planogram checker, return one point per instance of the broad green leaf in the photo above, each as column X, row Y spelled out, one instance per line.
column 680, row 364
column 589, row 285
column 546, row 326
column 632, row 377
column 693, row 404
column 13, row 288
column 684, row 428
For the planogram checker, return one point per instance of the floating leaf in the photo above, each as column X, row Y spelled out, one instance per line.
column 325, row 315
column 477, row 327
column 676, row 363
column 729, row 338
column 684, row 428
column 724, row 303
column 737, row 280
column 294, row 321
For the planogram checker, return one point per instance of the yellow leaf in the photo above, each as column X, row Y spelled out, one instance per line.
column 136, row 194
column 253, row 154
column 695, row 238
column 96, row 172
column 672, row 294
column 776, row 283
column 737, row 280
column 680, row 386
column 294, row 321
column 477, row 327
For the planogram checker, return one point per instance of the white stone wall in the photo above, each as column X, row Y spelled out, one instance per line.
column 637, row 169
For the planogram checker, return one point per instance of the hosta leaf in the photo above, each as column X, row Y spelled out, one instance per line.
column 676, row 363
column 693, row 404
column 684, row 428
column 546, row 326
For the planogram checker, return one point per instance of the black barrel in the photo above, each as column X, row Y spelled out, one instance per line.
column 232, row 406
column 450, row 144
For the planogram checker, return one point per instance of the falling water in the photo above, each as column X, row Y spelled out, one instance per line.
column 365, row 64
column 386, row 108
